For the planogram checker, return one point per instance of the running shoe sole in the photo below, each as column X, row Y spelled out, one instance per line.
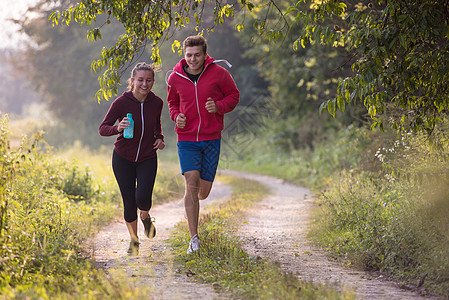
column 150, row 230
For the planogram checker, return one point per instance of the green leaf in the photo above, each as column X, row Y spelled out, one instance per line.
column 323, row 106
column 331, row 107
column 290, row 10
column 341, row 103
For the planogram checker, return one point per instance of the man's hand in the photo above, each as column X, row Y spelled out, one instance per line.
column 211, row 106
column 181, row 120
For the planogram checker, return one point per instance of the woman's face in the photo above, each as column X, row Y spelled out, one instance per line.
column 143, row 82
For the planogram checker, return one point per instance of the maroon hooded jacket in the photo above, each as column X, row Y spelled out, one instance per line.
column 147, row 125
column 189, row 98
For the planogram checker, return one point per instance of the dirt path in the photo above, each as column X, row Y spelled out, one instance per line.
column 153, row 268
column 276, row 229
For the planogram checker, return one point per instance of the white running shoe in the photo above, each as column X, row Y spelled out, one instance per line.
column 194, row 244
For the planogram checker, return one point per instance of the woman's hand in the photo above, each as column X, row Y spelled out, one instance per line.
column 124, row 123
column 159, row 144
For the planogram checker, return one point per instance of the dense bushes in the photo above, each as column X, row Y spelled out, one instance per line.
column 394, row 220
column 50, row 202
column 42, row 226
column 383, row 204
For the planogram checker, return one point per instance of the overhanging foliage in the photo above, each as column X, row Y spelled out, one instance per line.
column 402, row 54
column 400, row 47
column 144, row 22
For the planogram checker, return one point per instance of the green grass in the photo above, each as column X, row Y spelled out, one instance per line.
column 380, row 210
column 169, row 182
column 394, row 222
column 383, row 201
column 313, row 168
column 223, row 263
column 42, row 225
column 50, row 203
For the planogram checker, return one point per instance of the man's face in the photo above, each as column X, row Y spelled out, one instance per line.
column 195, row 58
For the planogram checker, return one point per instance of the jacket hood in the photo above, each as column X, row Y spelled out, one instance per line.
column 129, row 95
column 178, row 68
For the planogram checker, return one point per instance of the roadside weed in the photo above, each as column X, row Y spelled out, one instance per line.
column 383, row 199
column 169, row 182
column 393, row 220
column 42, row 226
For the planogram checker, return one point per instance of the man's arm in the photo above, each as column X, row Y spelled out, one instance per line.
column 173, row 102
column 232, row 94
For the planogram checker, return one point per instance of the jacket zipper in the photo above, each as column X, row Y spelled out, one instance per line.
column 143, row 125
column 198, row 103
column 198, row 108
column 196, row 96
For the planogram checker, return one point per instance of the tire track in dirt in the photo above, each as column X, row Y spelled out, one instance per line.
column 277, row 229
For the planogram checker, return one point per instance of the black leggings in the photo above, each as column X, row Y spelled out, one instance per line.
column 136, row 182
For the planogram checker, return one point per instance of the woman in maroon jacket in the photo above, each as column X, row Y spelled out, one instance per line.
column 134, row 161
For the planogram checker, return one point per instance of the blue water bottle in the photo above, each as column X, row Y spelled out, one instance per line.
column 129, row 132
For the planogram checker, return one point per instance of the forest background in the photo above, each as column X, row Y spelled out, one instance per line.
column 311, row 114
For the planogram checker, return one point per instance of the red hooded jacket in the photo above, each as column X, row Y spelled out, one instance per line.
column 189, row 98
column 147, row 125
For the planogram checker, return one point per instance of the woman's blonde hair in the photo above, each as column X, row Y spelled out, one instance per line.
column 142, row 66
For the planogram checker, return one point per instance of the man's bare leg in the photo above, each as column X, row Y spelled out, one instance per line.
column 191, row 202
column 205, row 188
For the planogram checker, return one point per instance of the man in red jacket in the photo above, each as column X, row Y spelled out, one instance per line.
column 200, row 92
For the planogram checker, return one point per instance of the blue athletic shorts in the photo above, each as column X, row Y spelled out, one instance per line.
column 200, row 156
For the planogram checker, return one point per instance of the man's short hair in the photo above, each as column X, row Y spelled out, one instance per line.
column 195, row 40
